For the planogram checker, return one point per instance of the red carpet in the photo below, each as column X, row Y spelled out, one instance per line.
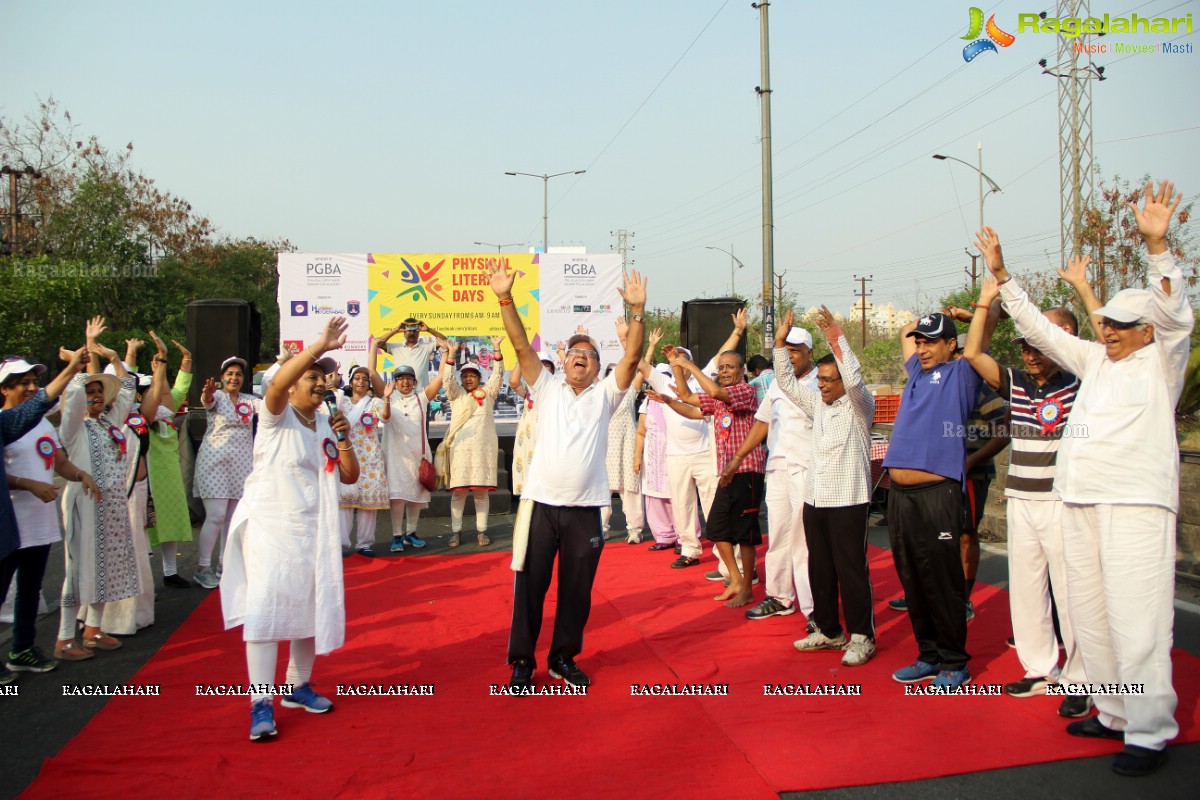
column 443, row 620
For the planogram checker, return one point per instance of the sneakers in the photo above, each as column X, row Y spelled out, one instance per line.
column 714, row 575
column 7, row 678
column 898, row 604
column 1011, row 642
column 568, row 671
column 397, row 544
column 72, row 651
column 859, row 651
column 1075, row 705
column 1027, row 687
column 1136, row 762
column 31, row 660
column 455, row 539
column 262, row 719
column 952, row 678
column 770, row 607
column 412, row 540
column 683, row 562
column 522, row 675
column 176, row 581
column 633, row 538
column 970, row 611
column 819, row 641
column 916, row 672
column 365, row 550
column 304, row 697
column 1093, row 728
column 206, row 578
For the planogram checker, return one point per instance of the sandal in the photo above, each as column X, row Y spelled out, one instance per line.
column 455, row 539
column 683, row 562
column 71, row 651
column 483, row 539
column 101, row 641
column 661, row 546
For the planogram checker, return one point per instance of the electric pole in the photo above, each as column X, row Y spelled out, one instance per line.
column 623, row 247
column 973, row 272
column 863, row 294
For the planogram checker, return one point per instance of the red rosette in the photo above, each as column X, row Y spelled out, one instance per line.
column 480, row 395
column 119, row 438
column 724, row 424
column 137, row 422
column 244, row 410
column 46, row 449
column 368, row 421
column 332, row 456
column 1049, row 413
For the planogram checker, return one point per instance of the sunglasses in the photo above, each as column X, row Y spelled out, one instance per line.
column 582, row 351
column 1118, row 326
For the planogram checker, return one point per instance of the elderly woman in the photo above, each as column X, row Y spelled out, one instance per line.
column 471, row 444
column 526, row 437
column 283, row 566
column 101, row 560
column 224, row 460
column 623, row 478
column 364, row 408
column 32, row 456
column 406, row 442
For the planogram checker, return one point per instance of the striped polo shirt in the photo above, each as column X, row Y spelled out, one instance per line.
column 1039, row 415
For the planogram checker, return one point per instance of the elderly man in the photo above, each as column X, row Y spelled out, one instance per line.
column 837, row 494
column 567, row 482
column 787, row 429
column 412, row 352
column 733, row 519
column 1120, row 487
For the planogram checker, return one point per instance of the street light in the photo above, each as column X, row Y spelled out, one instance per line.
column 983, row 176
column 545, row 199
column 498, row 246
column 732, row 260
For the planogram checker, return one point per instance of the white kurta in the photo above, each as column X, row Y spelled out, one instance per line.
column 474, row 448
column 283, row 560
column 225, row 457
column 404, row 441
column 101, row 562
column 370, row 491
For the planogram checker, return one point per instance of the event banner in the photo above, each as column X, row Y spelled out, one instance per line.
column 314, row 287
column 581, row 290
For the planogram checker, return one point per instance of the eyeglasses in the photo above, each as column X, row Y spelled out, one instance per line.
column 1118, row 326
column 824, row 380
column 580, row 351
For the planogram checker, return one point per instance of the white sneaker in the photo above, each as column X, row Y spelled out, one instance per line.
column 859, row 651
column 819, row 641
column 206, row 578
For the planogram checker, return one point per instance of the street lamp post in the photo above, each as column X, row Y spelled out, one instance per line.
column 546, row 200
column 983, row 176
column 732, row 260
column 498, row 246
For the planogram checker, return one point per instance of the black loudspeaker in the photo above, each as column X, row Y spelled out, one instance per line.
column 216, row 330
column 704, row 326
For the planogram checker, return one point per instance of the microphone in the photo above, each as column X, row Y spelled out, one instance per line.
column 331, row 404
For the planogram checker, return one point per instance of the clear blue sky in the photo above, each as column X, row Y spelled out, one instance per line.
column 388, row 127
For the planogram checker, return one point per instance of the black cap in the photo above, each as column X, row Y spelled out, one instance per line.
column 935, row 326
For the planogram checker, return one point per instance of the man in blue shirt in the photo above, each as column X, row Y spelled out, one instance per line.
column 926, row 462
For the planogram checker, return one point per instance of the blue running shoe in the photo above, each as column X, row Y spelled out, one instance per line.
column 397, row 544
column 898, row 604
column 411, row 540
column 304, row 697
column 952, row 678
column 262, row 719
column 916, row 672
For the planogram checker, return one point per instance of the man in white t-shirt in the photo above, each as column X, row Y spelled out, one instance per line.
column 413, row 352
column 567, row 483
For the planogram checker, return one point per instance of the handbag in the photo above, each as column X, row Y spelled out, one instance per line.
column 426, row 474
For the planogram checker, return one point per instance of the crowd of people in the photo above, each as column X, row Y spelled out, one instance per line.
column 692, row 452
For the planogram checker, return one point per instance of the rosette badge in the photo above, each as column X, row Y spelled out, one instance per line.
column 244, row 410
column 118, row 438
column 368, row 421
column 1049, row 413
column 46, row 449
column 137, row 422
column 331, row 454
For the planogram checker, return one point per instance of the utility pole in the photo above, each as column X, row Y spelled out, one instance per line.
column 768, row 223
column 863, row 294
column 973, row 272
column 779, row 292
column 623, row 247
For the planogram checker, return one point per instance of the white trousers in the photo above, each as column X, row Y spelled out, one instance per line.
column 787, row 550
column 366, row 526
column 1121, row 590
column 1036, row 564
column 688, row 476
column 635, row 517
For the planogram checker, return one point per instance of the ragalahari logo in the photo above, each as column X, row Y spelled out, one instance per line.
column 423, row 278
column 995, row 36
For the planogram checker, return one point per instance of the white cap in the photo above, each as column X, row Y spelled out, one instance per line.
column 1127, row 305
column 19, row 366
column 664, row 368
column 686, row 352
column 799, row 336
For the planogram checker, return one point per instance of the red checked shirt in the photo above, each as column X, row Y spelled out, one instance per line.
column 731, row 424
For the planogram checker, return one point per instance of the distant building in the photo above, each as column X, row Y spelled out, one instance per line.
column 885, row 318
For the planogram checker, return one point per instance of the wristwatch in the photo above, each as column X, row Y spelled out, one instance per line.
column 637, row 318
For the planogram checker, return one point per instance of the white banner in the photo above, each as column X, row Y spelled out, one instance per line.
column 582, row 290
column 315, row 287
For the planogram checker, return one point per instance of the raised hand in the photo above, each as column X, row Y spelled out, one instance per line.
column 209, row 391
column 580, row 330
column 334, row 335
column 959, row 314
column 988, row 242
column 828, row 325
column 634, row 292
column 740, row 319
column 656, row 336
column 784, row 327
column 162, row 348
column 1154, row 217
column 106, row 353
column 133, row 345
column 95, row 327
column 76, row 359
column 501, row 279
column 496, row 341
column 388, row 388
column 187, row 354
column 989, row 291
column 622, row 328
